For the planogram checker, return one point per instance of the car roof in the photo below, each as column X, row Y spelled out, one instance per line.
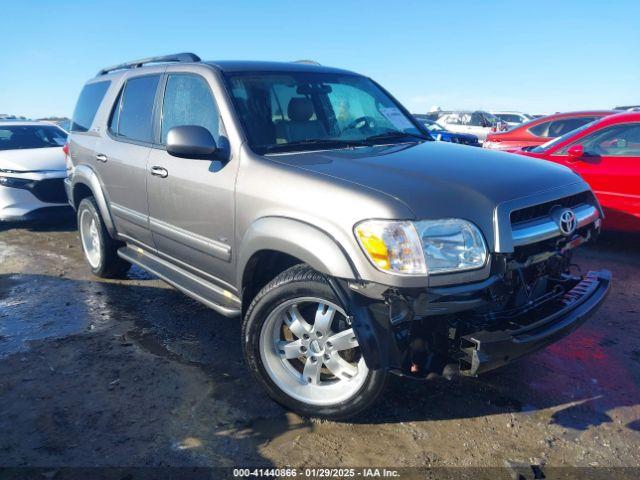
column 229, row 66
column 579, row 113
column 240, row 66
column 620, row 118
column 463, row 111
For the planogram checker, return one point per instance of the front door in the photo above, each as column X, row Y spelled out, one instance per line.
column 191, row 203
column 611, row 166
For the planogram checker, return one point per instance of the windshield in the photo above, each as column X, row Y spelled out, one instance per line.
column 292, row 111
column 546, row 146
column 17, row 137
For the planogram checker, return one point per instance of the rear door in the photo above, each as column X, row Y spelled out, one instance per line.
column 84, row 135
column 122, row 155
column 611, row 166
column 192, row 205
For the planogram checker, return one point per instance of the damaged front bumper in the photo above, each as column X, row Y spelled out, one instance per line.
column 488, row 349
column 412, row 334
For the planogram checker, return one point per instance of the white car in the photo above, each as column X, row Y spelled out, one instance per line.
column 513, row 118
column 32, row 170
column 478, row 123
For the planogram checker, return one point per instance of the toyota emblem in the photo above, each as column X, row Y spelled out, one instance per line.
column 567, row 222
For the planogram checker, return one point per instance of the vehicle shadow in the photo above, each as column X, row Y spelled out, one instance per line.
column 581, row 379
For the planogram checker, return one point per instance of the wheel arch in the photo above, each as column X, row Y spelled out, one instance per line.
column 273, row 244
column 85, row 183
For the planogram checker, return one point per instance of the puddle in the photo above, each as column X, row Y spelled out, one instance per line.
column 36, row 308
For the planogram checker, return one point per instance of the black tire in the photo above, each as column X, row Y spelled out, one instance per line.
column 300, row 281
column 110, row 265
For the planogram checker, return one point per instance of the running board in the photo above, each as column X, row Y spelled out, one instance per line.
column 217, row 298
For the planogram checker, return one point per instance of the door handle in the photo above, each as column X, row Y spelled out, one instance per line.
column 159, row 172
column 101, row 157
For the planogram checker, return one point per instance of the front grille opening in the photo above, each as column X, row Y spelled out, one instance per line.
column 543, row 209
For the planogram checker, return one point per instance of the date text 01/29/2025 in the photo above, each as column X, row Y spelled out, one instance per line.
column 315, row 472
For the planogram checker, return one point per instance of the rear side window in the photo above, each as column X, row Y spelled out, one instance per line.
column 87, row 106
column 560, row 127
column 540, row 130
column 188, row 101
column 132, row 117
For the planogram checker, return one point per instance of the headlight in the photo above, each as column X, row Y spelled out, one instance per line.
column 14, row 182
column 451, row 245
column 415, row 248
column 392, row 246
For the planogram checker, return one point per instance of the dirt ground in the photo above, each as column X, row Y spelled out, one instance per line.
column 133, row 373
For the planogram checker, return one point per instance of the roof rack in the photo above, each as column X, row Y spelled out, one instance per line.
column 307, row 62
column 176, row 57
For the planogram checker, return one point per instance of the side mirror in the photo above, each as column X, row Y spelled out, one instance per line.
column 190, row 141
column 576, row 151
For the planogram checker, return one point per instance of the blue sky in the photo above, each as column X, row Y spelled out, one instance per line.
column 536, row 56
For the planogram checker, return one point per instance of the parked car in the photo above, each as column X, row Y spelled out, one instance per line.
column 477, row 123
column 308, row 201
column 438, row 132
column 32, row 169
column 630, row 108
column 606, row 154
column 541, row 130
column 512, row 118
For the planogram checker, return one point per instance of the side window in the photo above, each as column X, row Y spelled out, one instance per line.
column 188, row 101
column 477, row 120
column 451, row 119
column 540, row 130
column 87, row 106
column 615, row 141
column 136, row 108
column 560, row 127
column 465, row 119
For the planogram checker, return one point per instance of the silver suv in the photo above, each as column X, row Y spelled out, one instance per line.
column 307, row 201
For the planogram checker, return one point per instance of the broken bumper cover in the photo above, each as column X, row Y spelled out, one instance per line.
column 485, row 350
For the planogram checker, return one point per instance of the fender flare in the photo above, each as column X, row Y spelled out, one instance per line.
column 84, row 174
column 306, row 242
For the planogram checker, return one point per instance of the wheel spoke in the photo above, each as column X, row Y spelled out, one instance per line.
column 343, row 340
column 289, row 350
column 311, row 371
column 340, row 367
column 324, row 317
column 295, row 322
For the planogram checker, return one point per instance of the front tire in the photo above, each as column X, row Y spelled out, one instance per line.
column 100, row 250
column 299, row 344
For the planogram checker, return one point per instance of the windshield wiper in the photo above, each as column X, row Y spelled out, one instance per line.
column 395, row 134
column 317, row 142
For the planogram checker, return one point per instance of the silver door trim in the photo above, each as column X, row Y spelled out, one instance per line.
column 205, row 245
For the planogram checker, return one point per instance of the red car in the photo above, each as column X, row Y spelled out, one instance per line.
column 606, row 153
column 541, row 130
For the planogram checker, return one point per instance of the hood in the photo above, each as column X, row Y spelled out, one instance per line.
column 440, row 179
column 32, row 159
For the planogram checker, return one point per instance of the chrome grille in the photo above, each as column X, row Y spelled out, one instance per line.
column 535, row 224
column 542, row 210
